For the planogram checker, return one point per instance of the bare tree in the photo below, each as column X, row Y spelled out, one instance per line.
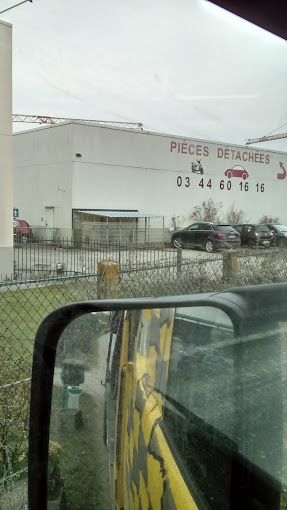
column 177, row 221
column 235, row 216
column 207, row 211
column 269, row 219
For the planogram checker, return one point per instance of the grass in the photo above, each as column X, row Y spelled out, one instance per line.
column 22, row 311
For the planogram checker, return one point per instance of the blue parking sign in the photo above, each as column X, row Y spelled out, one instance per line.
column 15, row 213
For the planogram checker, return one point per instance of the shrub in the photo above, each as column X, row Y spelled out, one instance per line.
column 79, row 336
column 73, row 372
column 235, row 216
column 55, row 481
column 269, row 219
column 176, row 222
column 207, row 211
column 14, row 413
column 212, row 211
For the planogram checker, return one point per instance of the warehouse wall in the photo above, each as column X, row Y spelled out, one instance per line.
column 42, row 176
column 121, row 169
column 80, row 166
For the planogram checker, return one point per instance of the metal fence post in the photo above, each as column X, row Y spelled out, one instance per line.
column 178, row 260
column 230, row 267
column 107, row 280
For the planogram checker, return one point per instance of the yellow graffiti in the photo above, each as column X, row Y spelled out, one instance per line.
column 161, row 468
column 155, row 482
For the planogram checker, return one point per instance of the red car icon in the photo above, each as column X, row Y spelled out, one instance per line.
column 236, row 171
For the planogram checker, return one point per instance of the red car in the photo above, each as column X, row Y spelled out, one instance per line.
column 22, row 231
column 236, row 171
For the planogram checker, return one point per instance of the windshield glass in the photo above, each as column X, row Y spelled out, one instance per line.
column 219, row 405
column 122, row 124
column 262, row 228
column 281, row 228
column 225, row 228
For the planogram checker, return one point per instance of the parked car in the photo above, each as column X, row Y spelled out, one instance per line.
column 280, row 234
column 209, row 236
column 255, row 235
column 236, row 171
column 22, row 231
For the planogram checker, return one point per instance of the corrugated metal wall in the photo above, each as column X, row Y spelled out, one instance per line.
column 123, row 231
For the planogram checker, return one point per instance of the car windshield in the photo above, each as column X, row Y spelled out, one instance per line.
column 262, row 228
column 281, row 228
column 225, row 229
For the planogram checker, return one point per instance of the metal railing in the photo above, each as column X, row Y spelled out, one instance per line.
column 43, row 260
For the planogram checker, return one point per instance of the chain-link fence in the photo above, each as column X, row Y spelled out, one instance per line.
column 262, row 266
column 24, row 304
column 202, row 274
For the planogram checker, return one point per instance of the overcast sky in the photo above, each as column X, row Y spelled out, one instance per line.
column 183, row 67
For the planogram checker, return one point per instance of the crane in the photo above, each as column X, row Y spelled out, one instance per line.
column 266, row 138
column 42, row 119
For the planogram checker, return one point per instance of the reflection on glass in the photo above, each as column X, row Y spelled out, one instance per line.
column 224, row 407
column 78, row 464
column 200, row 403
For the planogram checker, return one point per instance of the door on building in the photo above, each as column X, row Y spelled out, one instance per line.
column 49, row 219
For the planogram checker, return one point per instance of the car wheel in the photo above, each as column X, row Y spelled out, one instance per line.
column 281, row 243
column 177, row 242
column 244, row 176
column 209, row 246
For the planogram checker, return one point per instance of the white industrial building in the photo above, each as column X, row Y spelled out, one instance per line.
column 81, row 177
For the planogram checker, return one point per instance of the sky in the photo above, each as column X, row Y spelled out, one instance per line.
column 183, row 67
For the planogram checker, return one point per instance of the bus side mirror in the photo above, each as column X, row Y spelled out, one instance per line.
column 203, row 360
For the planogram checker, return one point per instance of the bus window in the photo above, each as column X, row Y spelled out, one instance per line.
column 223, row 411
column 199, row 405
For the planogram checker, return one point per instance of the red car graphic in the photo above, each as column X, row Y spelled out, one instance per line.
column 236, row 171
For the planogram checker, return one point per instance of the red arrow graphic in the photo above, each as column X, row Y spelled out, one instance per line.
column 283, row 175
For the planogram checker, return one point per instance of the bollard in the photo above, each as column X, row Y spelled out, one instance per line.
column 108, row 280
column 74, row 393
column 60, row 268
column 230, row 267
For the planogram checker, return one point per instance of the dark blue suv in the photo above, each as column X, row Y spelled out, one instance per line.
column 209, row 236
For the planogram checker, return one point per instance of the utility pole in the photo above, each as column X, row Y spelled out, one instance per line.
column 6, row 169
